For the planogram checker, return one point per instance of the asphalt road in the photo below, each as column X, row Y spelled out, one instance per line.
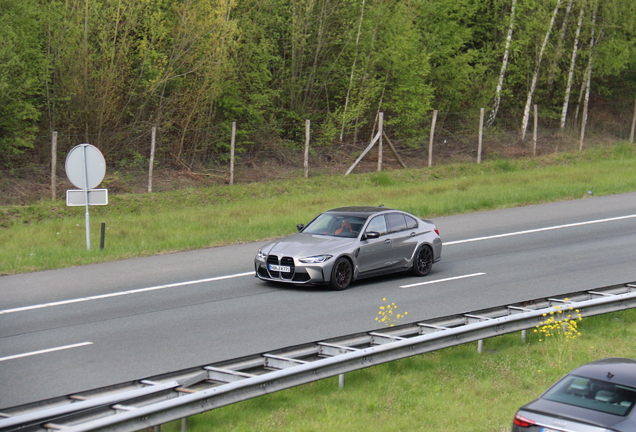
column 76, row 329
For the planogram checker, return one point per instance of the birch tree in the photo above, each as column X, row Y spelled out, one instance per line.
column 535, row 75
column 587, row 79
column 504, row 66
column 353, row 70
column 568, row 86
column 560, row 42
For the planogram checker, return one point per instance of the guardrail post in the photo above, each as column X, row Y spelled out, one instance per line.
column 184, row 424
column 341, row 381
column 480, row 345
column 158, row 428
column 524, row 335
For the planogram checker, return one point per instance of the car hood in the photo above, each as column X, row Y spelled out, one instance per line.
column 303, row 245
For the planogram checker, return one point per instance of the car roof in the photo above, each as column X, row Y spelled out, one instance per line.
column 359, row 210
column 616, row 370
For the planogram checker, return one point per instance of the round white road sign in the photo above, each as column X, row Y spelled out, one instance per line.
column 85, row 166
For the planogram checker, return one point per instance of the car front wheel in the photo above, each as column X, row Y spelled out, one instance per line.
column 341, row 274
column 423, row 261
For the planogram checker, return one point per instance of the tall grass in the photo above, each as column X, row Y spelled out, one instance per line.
column 47, row 234
column 450, row 390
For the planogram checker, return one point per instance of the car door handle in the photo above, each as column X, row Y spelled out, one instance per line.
column 387, row 241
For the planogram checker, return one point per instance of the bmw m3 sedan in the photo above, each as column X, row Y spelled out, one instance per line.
column 349, row 243
column 596, row 397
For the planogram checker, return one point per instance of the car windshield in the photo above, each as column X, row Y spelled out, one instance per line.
column 334, row 224
column 593, row 394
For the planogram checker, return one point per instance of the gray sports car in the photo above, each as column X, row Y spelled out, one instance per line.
column 350, row 243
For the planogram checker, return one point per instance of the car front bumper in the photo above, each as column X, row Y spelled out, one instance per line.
column 298, row 274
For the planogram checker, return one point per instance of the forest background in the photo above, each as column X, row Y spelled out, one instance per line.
column 106, row 72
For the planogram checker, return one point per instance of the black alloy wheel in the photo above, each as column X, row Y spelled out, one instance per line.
column 423, row 261
column 342, row 274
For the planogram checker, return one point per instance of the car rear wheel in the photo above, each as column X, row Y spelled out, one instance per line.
column 423, row 261
column 341, row 274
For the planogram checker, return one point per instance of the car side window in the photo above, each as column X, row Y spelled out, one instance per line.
column 411, row 223
column 377, row 224
column 396, row 222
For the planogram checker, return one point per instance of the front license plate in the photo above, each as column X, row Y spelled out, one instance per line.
column 279, row 268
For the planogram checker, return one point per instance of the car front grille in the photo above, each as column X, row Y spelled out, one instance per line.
column 284, row 261
column 272, row 259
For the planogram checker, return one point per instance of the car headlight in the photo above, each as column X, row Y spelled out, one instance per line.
column 315, row 259
column 261, row 255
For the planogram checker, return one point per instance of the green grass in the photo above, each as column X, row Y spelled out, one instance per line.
column 48, row 235
column 455, row 389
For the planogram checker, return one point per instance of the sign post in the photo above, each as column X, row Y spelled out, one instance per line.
column 85, row 168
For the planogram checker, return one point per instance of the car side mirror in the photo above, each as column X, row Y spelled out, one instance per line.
column 370, row 235
column 300, row 227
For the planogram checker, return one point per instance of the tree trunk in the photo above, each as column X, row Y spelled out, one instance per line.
column 504, row 66
column 559, row 48
column 568, row 87
column 535, row 77
column 588, row 80
column 353, row 69
column 589, row 65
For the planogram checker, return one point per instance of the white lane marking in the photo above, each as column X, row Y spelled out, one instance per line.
column 44, row 351
column 443, row 280
column 65, row 302
column 121, row 293
column 540, row 230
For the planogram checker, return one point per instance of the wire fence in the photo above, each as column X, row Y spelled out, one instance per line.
column 286, row 151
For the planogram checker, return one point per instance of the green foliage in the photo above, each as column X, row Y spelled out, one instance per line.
column 624, row 150
column 505, row 165
column 100, row 71
column 382, row 179
column 454, row 37
column 23, row 71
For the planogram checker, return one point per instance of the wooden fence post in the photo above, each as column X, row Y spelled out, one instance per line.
column 583, row 122
column 153, row 136
column 534, row 133
column 631, row 134
column 232, row 143
column 481, row 133
column 54, row 165
column 430, row 142
column 307, row 137
column 380, row 130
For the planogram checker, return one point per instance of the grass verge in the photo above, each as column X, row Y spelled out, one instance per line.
column 455, row 389
column 48, row 235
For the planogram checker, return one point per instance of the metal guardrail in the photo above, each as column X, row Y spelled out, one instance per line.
column 142, row 404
